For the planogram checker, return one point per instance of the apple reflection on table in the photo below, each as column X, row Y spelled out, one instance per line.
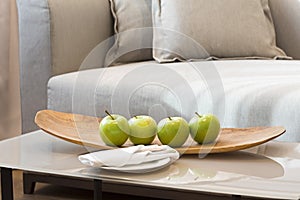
column 191, row 169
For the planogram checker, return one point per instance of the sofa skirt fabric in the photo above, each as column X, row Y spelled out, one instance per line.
column 242, row 93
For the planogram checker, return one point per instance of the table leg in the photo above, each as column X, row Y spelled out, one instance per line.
column 236, row 197
column 97, row 189
column 28, row 183
column 6, row 184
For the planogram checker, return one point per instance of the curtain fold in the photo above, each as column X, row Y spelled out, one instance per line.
column 10, row 109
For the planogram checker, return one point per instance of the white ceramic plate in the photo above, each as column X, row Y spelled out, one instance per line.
column 142, row 168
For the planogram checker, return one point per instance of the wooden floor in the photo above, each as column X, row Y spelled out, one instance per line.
column 52, row 192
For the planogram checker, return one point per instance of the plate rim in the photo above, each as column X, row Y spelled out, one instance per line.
column 167, row 161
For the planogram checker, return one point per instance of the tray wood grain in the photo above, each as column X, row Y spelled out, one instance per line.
column 83, row 130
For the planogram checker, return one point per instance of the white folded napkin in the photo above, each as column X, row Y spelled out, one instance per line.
column 129, row 156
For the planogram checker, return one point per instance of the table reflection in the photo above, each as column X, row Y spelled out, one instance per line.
column 212, row 168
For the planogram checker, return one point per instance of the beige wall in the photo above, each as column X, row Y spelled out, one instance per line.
column 10, row 122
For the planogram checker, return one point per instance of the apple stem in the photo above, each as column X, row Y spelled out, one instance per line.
column 135, row 117
column 170, row 118
column 198, row 114
column 109, row 115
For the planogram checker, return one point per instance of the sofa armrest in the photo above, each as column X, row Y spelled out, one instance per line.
column 55, row 37
column 286, row 17
column 35, row 59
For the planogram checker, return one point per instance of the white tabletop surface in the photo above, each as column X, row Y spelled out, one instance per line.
column 271, row 170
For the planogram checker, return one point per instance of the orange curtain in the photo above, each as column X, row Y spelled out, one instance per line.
column 10, row 114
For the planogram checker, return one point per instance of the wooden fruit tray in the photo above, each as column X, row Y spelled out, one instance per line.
column 84, row 130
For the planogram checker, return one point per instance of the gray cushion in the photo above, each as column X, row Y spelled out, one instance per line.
column 286, row 17
column 242, row 93
column 214, row 28
column 133, row 31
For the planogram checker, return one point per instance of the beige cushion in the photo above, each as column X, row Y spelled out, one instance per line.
column 76, row 28
column 133, row 32
column 201, row 29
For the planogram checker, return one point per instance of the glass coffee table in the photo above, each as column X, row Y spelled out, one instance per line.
column 269, row 171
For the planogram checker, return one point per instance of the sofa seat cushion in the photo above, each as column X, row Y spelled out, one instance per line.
column 243, row 93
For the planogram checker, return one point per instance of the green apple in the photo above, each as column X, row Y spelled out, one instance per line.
column 114, row 130
column 173, row 131
column 143, row 129
column 204, row 173
column 204, row 129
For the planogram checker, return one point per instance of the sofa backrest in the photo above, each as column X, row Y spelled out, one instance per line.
column 56, row 35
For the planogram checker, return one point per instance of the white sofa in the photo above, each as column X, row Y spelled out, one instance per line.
column 56, row 36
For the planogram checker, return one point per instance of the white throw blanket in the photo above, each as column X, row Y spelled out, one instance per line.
column 134, row 155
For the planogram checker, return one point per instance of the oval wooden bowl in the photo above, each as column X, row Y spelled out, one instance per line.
column 83, row 130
